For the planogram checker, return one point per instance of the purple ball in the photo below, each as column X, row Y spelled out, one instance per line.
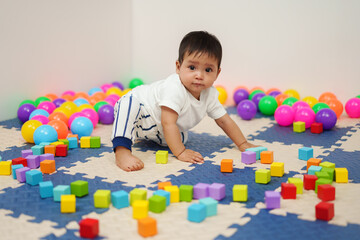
column 239, row 95
column 24, row 111
column 106, row 114
column 327, row 117
column 118, row 85
column 246, row 109
column 58, row 102
column 274, row 93
column 257, row 97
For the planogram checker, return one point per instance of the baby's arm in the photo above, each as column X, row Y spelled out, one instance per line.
column 233, row 131
column 173, row 137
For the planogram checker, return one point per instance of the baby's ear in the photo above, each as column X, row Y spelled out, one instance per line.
column 218, row 72
column 177, row 64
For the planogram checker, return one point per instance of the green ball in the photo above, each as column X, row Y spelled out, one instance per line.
column 99, row 105
column 268, row 105
column 252, row 94
column 358, row 96
column 41, row 99
column 135, row 82
column 290, row 101
column 27, row 101
column 320, row 105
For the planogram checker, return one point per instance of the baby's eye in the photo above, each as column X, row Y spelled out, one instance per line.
column 192, row 67
column 208, row 70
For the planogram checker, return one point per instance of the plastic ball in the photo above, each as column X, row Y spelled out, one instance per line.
column 358, row 96
column 39, row 112
column 59, row 116
column 24, row 111
column 300, row 104
column 73, row 116
column 274, row 93
column 326, row 96
column 59, row 101
column 27, row 101
column 68, row 92
column 40, row 100
column 327, row 117
column 135, row 82
column 51, row 96
column 68, row 98
column 246, row 109
column 241, row 87
column 28, row 129
column 92, row 115
column 272, row 90
column 111, row 100
column 47, row 106
column 336, row 106
column 292, row 93
column 81, row 101
column 85, row 106
column 257, row 88
column 255, row 92
column 71, row 106
column 45, row 133
column 352, row 107
column 306, row 115
column 118, row 85
column 317, row 107
column 222, row 94
column 106, row 86
column 310, row 100
column 99, row 104
column 41, row 118
column 257, row 97
column 98, row 96
column 280, row 98
column 239, row 95
column 82, row 126
column 64, row 110
column 290, row 101
column 268, row 105
column 125, row 91
column 114, row 90
column 81, row 95
column 284, row 115
column 60, row 127
column 94, row 90
column 106, row 114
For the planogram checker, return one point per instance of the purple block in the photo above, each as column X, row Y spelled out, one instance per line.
column 217, row 191
column 272, row 199
column 248, row 157
column 201, row 190
column 21, row 174
column 46, row 156
column 33, row 161
column 25, row 153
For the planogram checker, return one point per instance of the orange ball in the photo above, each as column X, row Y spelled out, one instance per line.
column 51, row 96
column 81, row 95
column 336, row 106
column 326, row 96
column 60, row 127
column 59, row 116
column 256, row 88
column 68, row 97
column 280, row 98
column 99, row 96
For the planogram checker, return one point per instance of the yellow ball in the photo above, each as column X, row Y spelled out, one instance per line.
column 292, row 93
column 310, row 100
column 28, row 129
column 71, row 106
column 114, row 90
column 64, row 111
column 85, row 106
column 125, row 91
column 222, row 94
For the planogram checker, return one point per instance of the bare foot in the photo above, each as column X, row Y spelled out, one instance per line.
column 126, row 161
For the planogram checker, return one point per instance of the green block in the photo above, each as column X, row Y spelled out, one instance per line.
column 79, row 188
column 186, row 193
column 157, row 204
column 262, row 176
column 240, row 193
column 161, row 156
column 95, row 142
column 323, row 174
column 137, row 194
column 65, row 141
column 298, row 183
column 322, row 181
column 327, row 164
column 330, row 171
column 299, row 127
column 102, row 198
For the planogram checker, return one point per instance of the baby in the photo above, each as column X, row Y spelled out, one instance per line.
column 165, row 110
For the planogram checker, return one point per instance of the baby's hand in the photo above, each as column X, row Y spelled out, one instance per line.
column 190, row 156
column 246, row 145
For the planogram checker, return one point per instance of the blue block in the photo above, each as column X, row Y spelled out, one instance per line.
column 14, row 167
column 211, row 206
column 196, row 212
column 313, row 169
column 257, row 150
column 165, row 194
column 46, row 189
column 73, row 142
column 37, row 150
column 44, row 144
column 34, row 177
column 61, row 190
column 305, row 153
column 120, row 199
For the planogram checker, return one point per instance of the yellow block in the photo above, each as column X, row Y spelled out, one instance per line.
column 162, row 156
column 85, row 142
column 240, row 193
column 277, row 169
column 341, row 175
column 68, row 203
column 174, row 193
column 140, row 209
column 298, row 183
column 5, row 168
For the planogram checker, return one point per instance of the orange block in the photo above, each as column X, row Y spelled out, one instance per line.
column 50, row 149
column 267, row 157
column 147, row 227
column 47, row 166
column 226, row 165
column 312, row 161
column 161, row 185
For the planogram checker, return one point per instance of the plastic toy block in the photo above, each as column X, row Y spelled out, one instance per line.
column 196, row 212
column 217, row 191
column 314, row 169
column 85, row 142
column 272, row 199
column 262, row 176
column 137, row 194
column 140, row 209
column 161, row 185
column 95, row 142
column 47, row 166
column 102, row 198
column 147, row 227
column 73, row 142
column 19, row 160
column 37, row 150
column 266, row 157
column 157, row 204
column 201, row 190
column 5, row 168
column 21, row 174
column 298, row 183
column 0, row 158
column 46, row 189
column 326, row 192
column 89, row 228
column 324, row 211
column 211, row 206
column 327, row 164
column 33, row 177
column 312, row 162
column 25, row 153
column 56, row 143
column 162, row 156
column 44, row 144
column 61, row 150
column 14, row 167
column 330, row 171
column 257, row 150
column 341, row 175
column 60, row 190
column 47, row 156
column 33, row 161
column 248, row 157
column 240, row 193
column 322, row 174
column 309, row 181
column 68, row 203
column 316, row 128
column 226, row 165
column 165, row 194
column 50, row 149
column 288, row 191
column 186, row 193
column 305, row 153
column 79, row 188
column 65, row 142
column 174, row 193
column 299, row 127
column 321, row 181
column 120, row 199
column 277, row 169
column 73, row 135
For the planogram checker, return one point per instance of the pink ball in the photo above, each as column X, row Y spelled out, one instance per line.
column 41, row 118
column 69, row 92
column 300, row 104
column 75, row 115
column 47, row 106
column 110, row 100
column 284, row 115
column 306, row 115
column 106, row 86
column 352, row 107
column 92, row 115
column 116, row 97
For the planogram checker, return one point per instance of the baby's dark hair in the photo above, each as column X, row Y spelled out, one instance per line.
column 199, row 42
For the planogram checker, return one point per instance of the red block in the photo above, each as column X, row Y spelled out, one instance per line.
column 61, row 150
column 326, row 192
column 309, row 182
column 324, row 211
column 89, row 228
column 288, row 191
column 316, row 127
column 19, row 160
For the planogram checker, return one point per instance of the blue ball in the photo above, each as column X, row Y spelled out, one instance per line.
column 39, row 112
column 94, row 90
column 45, row 133
column 80, row 101
column 82, row 126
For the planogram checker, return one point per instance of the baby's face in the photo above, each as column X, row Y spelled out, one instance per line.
column 197, row 72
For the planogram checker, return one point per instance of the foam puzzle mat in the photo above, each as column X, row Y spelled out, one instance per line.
column 25, row 215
